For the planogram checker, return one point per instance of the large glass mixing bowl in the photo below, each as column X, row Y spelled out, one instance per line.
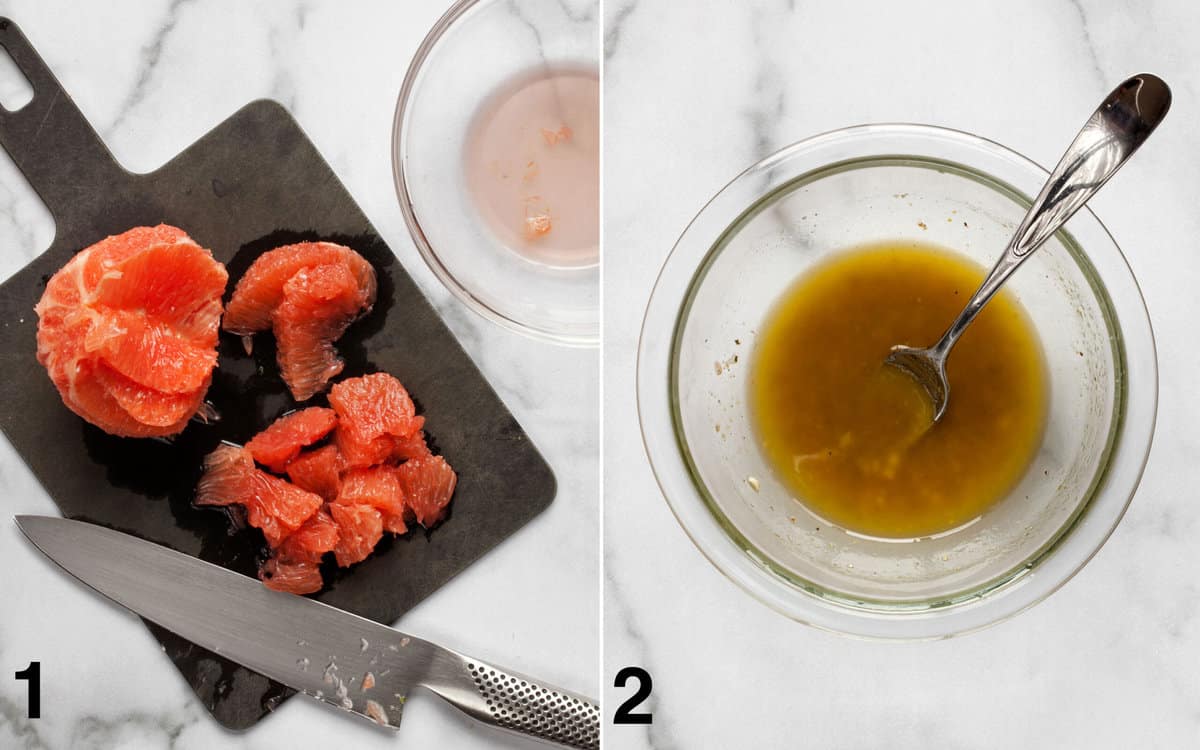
column 848, row 188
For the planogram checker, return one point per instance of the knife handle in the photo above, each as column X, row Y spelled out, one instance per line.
column 521, row 704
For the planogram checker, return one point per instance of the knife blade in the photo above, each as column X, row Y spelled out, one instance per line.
column 326, row 653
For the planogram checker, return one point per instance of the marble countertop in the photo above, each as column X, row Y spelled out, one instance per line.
column 694, row 95
column 152, row 77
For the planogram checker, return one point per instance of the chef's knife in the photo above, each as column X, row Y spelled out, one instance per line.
column 326, row 653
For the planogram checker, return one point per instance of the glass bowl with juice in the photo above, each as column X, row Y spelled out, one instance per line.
column 495, row 157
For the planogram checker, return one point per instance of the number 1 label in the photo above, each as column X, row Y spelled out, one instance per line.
column 33, row 674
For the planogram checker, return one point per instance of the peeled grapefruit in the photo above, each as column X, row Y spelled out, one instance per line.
column 127, row 330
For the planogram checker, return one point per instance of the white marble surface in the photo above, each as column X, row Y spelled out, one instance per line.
column 152, row 77
column 696, row 93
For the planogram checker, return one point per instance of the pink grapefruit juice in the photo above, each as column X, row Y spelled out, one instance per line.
column 532, row 162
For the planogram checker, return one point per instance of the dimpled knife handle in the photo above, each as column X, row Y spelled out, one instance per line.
column 516, row 703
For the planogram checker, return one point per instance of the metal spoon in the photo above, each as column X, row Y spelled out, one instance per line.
column 1123, row 121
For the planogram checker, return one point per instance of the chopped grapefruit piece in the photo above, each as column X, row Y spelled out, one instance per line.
column 228, row 477
column 279, row 507
column 135, row 312
column 413, row 446
column 275, row 446
column 553, row 137
column 378, row 487
column 374, row 405
column 291, row 577
column 428, row 486
column 537, row 224
column 374, row 411
column 318, row 471
column 360, row 527
column 274, row 505
column 308, row 543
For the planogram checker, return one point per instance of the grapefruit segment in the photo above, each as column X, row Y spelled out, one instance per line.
column 360, row 527
column 275, row 446
column 170, row 283
column 318, row 305
column 308, row 294
column 428, row 486
column 228, row 477
column 291, row 577
column 318, row 471
column 379, row 488
column 91, row 397
column 150, row 353
column 279, row 507
column 103, row 257
column 147, row 406
column 308, row 543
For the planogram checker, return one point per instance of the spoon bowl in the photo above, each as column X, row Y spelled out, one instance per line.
column 928, row 368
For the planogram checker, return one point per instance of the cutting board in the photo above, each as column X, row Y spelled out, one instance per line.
column 251, row 184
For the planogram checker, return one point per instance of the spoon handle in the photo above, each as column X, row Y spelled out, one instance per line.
column 1115, row 130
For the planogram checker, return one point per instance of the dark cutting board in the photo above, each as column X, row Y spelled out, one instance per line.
column 253, row 183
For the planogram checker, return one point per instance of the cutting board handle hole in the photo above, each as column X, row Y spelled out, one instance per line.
column 15, row 89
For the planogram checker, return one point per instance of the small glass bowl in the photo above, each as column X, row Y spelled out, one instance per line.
column 848, row 188
column 474, row 50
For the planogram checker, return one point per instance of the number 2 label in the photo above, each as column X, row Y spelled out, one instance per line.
column 625, row 714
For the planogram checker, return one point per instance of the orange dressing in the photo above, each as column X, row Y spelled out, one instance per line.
column 853, row 439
